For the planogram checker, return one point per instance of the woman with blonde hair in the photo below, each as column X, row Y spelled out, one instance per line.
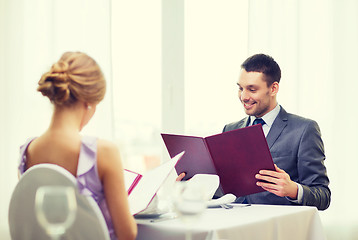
column 75, row 85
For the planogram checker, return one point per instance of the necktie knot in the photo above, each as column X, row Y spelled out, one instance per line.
column 258, row 121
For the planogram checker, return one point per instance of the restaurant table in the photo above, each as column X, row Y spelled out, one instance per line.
column 254, row 222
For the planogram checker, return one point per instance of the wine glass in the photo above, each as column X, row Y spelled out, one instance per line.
column 55, row 208
column 189, row 203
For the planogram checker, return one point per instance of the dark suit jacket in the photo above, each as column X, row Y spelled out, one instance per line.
column 296, row 147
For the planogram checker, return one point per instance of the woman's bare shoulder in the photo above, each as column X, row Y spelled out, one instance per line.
column 108, row 157
column 106, row 147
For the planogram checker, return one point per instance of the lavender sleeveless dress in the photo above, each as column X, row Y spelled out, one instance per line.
column 88, row 181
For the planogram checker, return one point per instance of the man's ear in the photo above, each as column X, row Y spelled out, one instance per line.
column 274, row 88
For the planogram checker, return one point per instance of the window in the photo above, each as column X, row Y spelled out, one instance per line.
column 208, row 99
column 136, row 55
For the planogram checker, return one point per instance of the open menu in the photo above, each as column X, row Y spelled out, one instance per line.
column 142, row 188
column 235, row 156
column 131, row 179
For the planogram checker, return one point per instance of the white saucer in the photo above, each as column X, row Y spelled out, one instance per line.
column 153, row 214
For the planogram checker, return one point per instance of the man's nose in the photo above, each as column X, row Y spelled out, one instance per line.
column 244, row 96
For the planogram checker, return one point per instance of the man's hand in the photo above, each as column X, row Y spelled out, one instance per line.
column 279, row 183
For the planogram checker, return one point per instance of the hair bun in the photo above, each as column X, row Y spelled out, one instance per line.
column 55, row 84
column 75, row 77
column 60, row 67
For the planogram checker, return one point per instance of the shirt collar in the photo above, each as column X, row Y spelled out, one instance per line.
column 269, row 117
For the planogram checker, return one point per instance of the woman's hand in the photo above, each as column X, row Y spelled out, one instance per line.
column 180, row 177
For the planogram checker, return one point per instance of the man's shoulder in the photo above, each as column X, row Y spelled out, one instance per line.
column 297, row 121
column 296, row 118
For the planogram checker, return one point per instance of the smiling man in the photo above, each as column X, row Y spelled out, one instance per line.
column 295, row 142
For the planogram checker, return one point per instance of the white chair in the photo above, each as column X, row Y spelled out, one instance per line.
column 89, row 223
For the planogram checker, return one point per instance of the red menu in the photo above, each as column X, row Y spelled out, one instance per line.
column 235, row 156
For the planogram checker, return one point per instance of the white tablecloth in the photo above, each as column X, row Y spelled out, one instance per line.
column 261, row 222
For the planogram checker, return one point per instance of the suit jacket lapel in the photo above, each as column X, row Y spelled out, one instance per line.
column 277, row 127
column 245, row 123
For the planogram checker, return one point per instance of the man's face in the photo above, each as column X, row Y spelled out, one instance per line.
column 256, row 97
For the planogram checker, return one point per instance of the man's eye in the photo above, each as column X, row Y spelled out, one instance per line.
column 252, row 90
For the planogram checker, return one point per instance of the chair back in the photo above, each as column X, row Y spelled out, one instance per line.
column 89, row 223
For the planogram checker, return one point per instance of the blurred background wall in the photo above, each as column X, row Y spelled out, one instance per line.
column 172, row 66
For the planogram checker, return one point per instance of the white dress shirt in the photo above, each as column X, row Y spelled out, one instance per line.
column 269, row 118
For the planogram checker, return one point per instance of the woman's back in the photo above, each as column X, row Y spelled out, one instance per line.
column 88, row 180
column 56, row 148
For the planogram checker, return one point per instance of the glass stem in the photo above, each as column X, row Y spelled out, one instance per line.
column 188, row 234
column 56, row 236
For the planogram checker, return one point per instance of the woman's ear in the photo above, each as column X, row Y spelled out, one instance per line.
column 87, row 106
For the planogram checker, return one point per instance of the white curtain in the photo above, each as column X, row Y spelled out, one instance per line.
column 34, row 34
column 315, row 43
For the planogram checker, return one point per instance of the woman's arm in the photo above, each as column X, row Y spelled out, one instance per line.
column 110, row 171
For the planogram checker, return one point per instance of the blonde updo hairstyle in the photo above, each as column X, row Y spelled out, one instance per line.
column 75, row 77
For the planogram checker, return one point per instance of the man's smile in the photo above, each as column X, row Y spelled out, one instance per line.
column 249, row 105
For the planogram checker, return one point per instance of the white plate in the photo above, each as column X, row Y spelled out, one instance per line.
column 150, row 214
